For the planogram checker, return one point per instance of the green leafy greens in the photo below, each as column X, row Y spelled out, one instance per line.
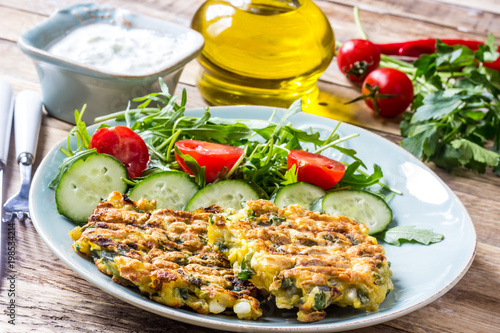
column 246, row 271
column 409, row 233
column 455, row 118
column 82, row 150
column 266, row 143
column 161, row 122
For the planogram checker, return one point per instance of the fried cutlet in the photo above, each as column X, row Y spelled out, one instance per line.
column 305, row 259
column 166, row 255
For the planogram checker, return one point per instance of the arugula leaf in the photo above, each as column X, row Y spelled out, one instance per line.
column 67, row 163
column 293, row 109
column 219, row 133
column 266, row 143
column 409, row 233
column 290, row 176
column 81, row 152
column 80, row 131
column 198, row 172
column 361, row 180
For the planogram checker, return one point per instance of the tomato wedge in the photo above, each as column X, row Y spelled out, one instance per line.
column 316, row 169
column 124, row 144
column 213, row 156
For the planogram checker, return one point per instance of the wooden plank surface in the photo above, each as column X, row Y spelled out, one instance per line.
column 52, row 298
column 467, row 19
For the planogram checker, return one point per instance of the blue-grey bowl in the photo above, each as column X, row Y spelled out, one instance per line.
column 67, row 85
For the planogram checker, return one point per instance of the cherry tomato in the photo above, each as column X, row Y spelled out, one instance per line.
column 391, row 91
column 213, row 156
column 124, row 144
column 358, row 57
column 316, row 169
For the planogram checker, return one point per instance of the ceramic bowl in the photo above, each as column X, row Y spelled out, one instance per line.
column 68, row 85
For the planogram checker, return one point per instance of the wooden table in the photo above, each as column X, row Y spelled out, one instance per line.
column 52, row 298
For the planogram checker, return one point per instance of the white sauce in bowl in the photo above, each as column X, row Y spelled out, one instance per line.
column 120, row 50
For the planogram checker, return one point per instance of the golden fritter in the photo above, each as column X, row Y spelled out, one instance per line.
column 165, row 254
column 305, row 259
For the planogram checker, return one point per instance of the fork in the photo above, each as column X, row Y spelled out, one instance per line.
column 27, row 120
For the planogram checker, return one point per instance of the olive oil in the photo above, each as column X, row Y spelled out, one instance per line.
column 264, row 52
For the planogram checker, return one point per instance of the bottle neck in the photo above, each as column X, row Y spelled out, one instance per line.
column 267, row 7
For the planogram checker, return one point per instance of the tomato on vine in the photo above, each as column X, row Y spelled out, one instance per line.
column 356, row 58
column 388, row 92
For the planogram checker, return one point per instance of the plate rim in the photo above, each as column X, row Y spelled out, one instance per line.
column 200, row 320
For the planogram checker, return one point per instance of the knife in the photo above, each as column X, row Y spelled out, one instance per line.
column 6, row 114
column 27, row 120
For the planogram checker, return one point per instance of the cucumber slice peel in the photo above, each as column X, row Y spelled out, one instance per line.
column 86, row 183
column 226, row 194
column 361, row 206
column 303, row 194
column 170, row 189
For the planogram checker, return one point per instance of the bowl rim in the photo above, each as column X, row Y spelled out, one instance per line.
column 43, row 55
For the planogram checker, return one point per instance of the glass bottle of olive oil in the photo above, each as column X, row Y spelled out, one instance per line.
column 263, row 52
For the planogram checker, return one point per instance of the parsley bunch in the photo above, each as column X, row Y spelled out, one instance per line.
column 455, row 116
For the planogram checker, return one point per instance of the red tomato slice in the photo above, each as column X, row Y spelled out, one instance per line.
column 213, row 156
column 316, row 169
column 124, row 144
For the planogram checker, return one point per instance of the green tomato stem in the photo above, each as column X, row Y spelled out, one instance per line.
column 358, row 23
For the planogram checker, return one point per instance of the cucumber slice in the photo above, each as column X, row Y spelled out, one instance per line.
column 86, row 183
column 318, row 205
column 226, row 193
column 170, row 189
column 361, row 206
column 304, row 194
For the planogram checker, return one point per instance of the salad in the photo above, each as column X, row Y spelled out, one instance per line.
column 186, row 162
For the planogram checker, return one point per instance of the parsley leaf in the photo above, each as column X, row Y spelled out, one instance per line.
column 320, row 301
column 423, row 138
column 409, row 233
column 455, row 116
column 437, row 105
column 471, row 153
column 246, row 271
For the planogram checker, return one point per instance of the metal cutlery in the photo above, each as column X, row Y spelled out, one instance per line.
column 27, row 120
column 6, row 112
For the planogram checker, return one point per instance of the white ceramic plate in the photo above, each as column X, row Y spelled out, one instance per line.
column 421, row 274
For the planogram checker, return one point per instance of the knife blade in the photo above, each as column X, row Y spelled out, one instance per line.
column 6, row 115
column 27, row 120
